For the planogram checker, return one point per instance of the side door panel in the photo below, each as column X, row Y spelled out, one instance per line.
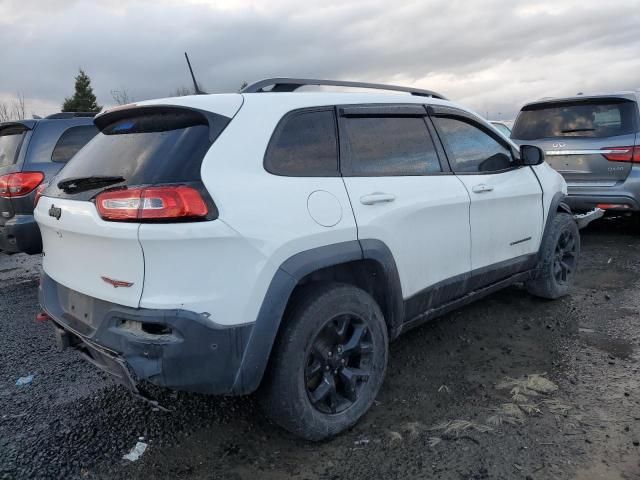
column 506, row 213
column 422, row 216
column 506, row 222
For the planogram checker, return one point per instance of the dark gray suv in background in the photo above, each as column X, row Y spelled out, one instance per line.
column 31, row 152
column 593, row 141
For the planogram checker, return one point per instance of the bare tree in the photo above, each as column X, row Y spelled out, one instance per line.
column 121, row 96
column 182, row 92
column 13, row 109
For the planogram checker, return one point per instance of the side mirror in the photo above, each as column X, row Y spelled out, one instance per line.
column 530, row 155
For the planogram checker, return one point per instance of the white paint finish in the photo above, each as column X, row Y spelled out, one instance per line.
column 426, row 225
column 203, row 267
column 508, row 209
column 324, row 208
column 224, row 267
column 270, row 211
column 81, row 247
column 552, row 182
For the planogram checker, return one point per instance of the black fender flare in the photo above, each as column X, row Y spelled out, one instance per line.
column 557, row 205
column 263, row 335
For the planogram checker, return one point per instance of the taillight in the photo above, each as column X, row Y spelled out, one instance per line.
column 141, row 204
column 41, row 188
column 622, row 154
column 19, row 184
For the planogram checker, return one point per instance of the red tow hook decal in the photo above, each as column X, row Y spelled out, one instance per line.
column 42, row 317
column 116, row 283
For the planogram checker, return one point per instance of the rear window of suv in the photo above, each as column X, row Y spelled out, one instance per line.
column 585, row 118
column 10, row 142
column 71, row 142
column 159, row 147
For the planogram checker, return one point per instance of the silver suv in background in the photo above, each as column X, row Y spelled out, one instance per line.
column 593, row 141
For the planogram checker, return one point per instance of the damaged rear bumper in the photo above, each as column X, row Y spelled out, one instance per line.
column 176, row 349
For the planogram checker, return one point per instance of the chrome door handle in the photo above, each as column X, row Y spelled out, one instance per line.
column 482, row 188
column 377, row 197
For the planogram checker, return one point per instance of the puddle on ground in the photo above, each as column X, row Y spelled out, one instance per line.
column 615, row 347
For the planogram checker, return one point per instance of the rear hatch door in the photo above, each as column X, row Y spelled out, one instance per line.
column 138, row 147
column 583, row 140
column 87, row 254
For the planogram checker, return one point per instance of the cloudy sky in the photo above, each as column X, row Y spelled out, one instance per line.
column 491, row 55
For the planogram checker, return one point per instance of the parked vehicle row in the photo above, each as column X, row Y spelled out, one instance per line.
column 31, row 153
column 277, row 241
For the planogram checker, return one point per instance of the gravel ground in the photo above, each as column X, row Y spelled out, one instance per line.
column 461, row 399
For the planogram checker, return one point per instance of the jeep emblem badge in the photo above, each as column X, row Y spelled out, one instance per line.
column 55, row 212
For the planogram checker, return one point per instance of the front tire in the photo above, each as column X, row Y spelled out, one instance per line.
column 329, row 362
column 559, row 254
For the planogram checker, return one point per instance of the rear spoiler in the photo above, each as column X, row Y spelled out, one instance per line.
column 216, row 126
column 28, row 124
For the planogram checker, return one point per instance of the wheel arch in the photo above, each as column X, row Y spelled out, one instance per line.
column 356, row 262
column 557, row 205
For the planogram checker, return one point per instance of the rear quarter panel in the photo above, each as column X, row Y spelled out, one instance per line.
column 552, row 183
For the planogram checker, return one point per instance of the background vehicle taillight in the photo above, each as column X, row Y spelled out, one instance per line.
column 623, row 154
column 158, row 203
column 19, row 184
column 41, row 188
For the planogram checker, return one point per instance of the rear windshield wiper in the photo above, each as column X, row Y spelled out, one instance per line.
column 574, row 130
column 81, row 184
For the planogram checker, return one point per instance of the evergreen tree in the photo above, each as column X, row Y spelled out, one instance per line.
column 83, row 99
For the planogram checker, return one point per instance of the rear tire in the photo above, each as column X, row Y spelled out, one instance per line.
column 558, row 262
column 329, row 362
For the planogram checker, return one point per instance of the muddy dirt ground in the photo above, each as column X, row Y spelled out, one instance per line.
column 510, row 387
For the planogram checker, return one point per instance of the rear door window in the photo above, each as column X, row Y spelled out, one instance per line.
column 471, row 149
column 586, row 118
column 71, row 141
column 10, row 142
column 305, row 144
column 389, row 146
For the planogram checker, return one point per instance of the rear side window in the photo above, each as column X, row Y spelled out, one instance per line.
column 304, row 145
column 592, row 118
column 165, row 146
column 470, row 149
column 10, row 143
column 390, row 146
column 71, row 141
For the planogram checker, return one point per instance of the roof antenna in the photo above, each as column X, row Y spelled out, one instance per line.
column 193, row 77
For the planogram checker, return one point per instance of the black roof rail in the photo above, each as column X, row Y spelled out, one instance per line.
column 285, row 84
column 62, row 115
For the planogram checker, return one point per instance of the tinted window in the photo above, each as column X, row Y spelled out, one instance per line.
column 10, row 142
column 387, row 146
column 472, row 149
column 44, row 138
column 596, row 119
column 71, row 141
column 304, row 145
column 153, row 148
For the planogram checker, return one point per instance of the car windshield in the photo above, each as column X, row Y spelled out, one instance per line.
column 10, row 142
column 586, row 118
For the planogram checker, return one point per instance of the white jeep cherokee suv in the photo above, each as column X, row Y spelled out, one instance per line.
column 278, row 240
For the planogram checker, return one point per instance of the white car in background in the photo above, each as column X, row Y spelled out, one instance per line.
column 277, row 241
